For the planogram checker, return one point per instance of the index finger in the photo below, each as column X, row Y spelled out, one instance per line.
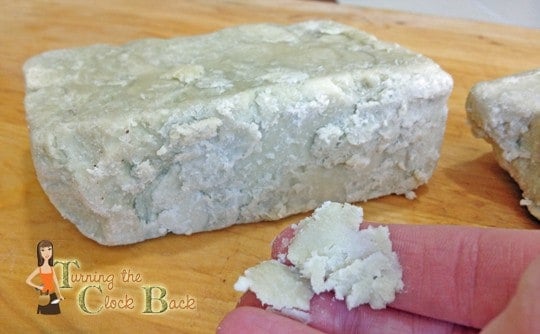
column 463, row 275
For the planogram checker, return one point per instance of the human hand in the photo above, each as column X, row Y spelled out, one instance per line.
column 457, row 280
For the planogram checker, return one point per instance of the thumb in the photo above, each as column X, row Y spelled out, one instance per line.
column 522, row 314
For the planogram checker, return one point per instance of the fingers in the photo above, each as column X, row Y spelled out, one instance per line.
column 523, row 312
column 462, row 275
column 332, row 316
column 255, row 320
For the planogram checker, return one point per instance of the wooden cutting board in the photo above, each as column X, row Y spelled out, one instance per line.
column 195, row 274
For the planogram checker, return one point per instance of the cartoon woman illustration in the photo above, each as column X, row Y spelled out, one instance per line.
column 48, row 278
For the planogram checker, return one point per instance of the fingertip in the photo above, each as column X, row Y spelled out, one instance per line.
column 232, row 322
column 281, row 243
column 254, row 320
column 521, row 313
column 249, row 299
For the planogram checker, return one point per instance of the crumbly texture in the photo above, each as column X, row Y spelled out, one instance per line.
column 506, row 113
column 246, row 124
column 277, row 285
column 330, row 253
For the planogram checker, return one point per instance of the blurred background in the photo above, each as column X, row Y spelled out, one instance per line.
column 524, row 13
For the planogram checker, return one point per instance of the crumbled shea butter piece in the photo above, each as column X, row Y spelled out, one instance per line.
column 268, row 279
column 330, row 253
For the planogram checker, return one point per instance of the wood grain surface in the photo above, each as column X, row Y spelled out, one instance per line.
column 196, row 273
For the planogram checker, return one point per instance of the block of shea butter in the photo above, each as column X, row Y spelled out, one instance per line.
column 246, row 124
column 506, row 113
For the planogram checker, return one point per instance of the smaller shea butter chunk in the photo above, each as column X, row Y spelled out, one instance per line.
column 330, row 253
column 506, row 113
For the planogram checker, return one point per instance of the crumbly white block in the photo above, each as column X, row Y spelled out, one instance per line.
column 506, row 113
column 332, row 254
column 246, row 124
